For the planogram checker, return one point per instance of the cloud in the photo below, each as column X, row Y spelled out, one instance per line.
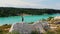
column 34, row 1
column 20, row 3
column 58, row 5
column 15, row 3
column 29, row 4
column 55, row 6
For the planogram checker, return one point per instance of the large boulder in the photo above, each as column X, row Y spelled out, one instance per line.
column 24, row 28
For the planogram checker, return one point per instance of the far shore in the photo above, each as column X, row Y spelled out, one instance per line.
column 24, row 14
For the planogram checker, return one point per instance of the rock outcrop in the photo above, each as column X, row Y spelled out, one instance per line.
column 25, row 28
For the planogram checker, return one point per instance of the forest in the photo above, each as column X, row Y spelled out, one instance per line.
column 10, row 11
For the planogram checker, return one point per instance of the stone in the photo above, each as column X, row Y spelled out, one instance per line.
column 25, row 28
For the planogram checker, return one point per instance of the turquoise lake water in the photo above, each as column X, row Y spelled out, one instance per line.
column 27, row 19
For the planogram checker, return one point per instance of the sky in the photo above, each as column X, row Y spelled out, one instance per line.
column 52, row 4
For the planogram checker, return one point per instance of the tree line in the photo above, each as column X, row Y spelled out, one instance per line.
column 9, row 11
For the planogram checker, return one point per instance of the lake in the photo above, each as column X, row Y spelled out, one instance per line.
column 27, row 19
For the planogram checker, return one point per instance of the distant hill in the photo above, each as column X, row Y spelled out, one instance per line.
column 9, row 11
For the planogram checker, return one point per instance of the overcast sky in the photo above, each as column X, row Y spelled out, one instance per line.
column 54, row 4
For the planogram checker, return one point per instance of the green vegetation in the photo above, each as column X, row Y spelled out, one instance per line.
column 4, row 28
column 8, row 11
column 35, row 32
column 50, row 32
column 31, row 23
column 58, row 31
column 53, row 32
column 13, row 32
column 50, row 18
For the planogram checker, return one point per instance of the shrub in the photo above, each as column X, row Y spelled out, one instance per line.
column 34, row 32
column 50, row 32
column 50, row 18
column 13, row 32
